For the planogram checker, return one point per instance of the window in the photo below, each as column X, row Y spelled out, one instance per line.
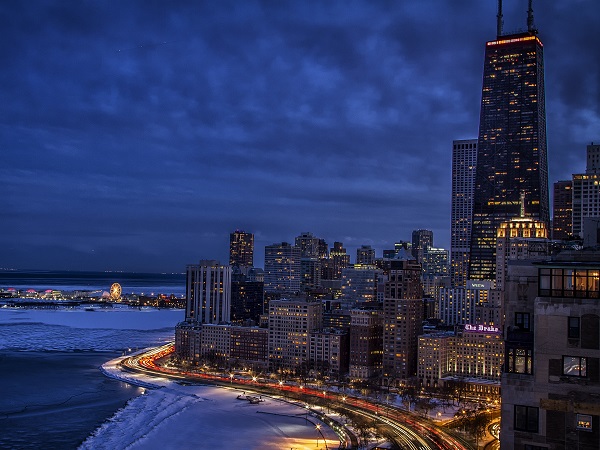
column 574, row 366
column 574, row 327
column 584, row 422
column 520, row 360
column 526, row 418
column 522, row 321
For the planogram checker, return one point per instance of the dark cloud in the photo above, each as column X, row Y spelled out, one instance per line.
column 137, row 135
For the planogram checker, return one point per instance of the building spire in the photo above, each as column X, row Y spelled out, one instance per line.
column 500, row 20
column 530, row 24
column 523, row 201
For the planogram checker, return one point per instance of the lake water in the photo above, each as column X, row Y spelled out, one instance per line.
column 136, row 283
column 52, row 393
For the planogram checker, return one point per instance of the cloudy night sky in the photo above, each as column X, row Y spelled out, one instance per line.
column 136, row 135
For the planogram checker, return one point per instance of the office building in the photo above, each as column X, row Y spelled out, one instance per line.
column 586, row 191
column 241, row 249
column 365, row 255
column 562, row 210
column 511, row 147
column 282, row 268
column 464, row 163
column 421, row 241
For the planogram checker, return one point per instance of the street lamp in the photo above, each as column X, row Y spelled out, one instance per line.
column 318, row 427
column 231, row 378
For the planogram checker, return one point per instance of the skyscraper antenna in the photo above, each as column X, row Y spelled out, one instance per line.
column 530, row 24
column 499, row 17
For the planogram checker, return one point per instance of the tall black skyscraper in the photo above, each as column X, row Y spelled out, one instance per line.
column 511, row 149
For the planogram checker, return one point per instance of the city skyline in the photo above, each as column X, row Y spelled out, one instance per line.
column 141, row 137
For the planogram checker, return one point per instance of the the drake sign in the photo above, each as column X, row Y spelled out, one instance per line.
column 481, row 328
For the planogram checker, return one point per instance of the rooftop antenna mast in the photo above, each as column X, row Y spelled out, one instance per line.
column 499, row 17
column 530, row 24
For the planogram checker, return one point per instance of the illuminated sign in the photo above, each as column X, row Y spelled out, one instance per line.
column 481, row 328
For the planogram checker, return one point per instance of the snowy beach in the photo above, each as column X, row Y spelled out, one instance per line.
column 171, row 415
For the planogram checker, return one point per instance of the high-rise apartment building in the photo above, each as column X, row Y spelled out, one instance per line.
column 290, row 323
column 208, row 292
column 366, row 343
column 241, row 249
column 586, row 191
column 402, row 319
column 511, row 148
column 282, row 268
column 464, row 163
column 562, row 210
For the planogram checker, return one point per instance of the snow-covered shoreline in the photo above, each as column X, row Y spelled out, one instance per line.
column 171, row 415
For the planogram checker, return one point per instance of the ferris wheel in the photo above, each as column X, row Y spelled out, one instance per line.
column 115, row 291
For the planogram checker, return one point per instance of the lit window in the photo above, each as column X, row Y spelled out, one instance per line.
column 584, row 422
column 574, row 366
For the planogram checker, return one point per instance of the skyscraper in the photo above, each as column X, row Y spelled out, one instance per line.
column 464, row 163
column 241, row 249
column 511, row 148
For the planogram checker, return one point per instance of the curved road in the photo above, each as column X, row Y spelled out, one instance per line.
column 409, row 431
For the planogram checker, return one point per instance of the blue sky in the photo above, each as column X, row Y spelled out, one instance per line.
column 137, row 135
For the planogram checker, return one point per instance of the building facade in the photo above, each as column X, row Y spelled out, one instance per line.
column 551, row 384
column 464, row 163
